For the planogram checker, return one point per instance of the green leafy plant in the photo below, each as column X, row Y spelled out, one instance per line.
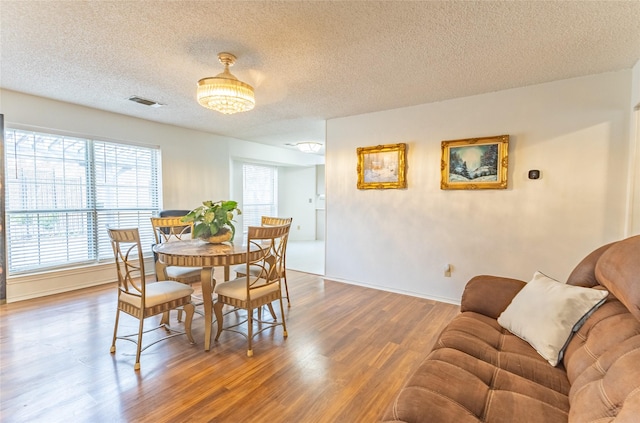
column 213, row 218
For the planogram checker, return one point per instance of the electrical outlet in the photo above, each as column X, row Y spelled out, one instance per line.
column 447, row 270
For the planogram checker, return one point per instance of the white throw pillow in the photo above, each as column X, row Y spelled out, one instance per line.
column 545, row 313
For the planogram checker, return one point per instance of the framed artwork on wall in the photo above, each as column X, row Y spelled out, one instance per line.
column 382, row 167
column 475, row 163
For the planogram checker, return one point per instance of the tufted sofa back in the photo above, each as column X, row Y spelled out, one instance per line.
column 603, row 358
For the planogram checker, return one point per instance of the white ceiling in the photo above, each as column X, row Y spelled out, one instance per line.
column 308, row 60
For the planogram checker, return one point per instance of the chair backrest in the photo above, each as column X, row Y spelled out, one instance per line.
column 129, row 261
column 173, row 213
column 271, row 240
column 278, row 221
column 275, row 221
column 166, row 229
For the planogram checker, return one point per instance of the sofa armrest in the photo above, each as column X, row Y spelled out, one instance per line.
column 489, row 295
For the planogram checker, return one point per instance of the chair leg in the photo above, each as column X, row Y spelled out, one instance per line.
column 179, row 318
column 115, row 332
column 217, row 309
column 139, row 346
column 165, row 320
column 284, row 323
column 189, row 310
column 272, row 311
column 286, row 288
column 250, row 332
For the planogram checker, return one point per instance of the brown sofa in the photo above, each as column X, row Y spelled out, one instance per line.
column 480, row 372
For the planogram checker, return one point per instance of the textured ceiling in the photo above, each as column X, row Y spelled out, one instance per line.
column 309, row 61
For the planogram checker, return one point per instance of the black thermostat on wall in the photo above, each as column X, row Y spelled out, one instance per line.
column 534, row 174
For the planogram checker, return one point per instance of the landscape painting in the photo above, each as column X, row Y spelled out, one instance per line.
column 475, row 163
column 382, row 167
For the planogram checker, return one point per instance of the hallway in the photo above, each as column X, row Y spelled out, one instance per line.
column 306, row 256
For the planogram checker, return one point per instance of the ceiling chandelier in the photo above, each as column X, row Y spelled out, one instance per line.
column 224, row 92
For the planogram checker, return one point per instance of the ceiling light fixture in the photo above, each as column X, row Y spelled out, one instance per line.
column 309, row 147
column 224, row 92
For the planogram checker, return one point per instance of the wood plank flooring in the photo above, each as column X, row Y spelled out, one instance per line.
column 348, row 352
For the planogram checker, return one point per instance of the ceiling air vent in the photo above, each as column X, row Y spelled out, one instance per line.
column 146, row 102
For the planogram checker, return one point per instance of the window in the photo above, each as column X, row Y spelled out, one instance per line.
column 259, row 194
column 63, row 192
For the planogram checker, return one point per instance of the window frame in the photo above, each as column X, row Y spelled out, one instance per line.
column 91, row 214
column 246, row 208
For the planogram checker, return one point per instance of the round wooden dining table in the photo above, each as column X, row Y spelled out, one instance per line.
column 198, row 253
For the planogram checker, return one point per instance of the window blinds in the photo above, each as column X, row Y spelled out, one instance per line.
column 259, row 194
column 62, row 193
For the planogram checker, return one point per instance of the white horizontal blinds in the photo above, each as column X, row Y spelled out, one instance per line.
column 259, row 194
column 53, row 212
column 126, row 191
column 46, row 203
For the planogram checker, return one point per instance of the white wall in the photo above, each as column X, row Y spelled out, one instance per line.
column 297, row 189
column 576, row 132
column 195, row 167
column 187, row 167
column 320, row 203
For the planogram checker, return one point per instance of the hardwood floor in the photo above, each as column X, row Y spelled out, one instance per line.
column 348, row 352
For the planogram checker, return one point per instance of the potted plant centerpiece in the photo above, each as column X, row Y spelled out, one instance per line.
column 212, row 221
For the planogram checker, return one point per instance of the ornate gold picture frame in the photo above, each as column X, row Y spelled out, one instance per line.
column 475, row 163
column 382, row 167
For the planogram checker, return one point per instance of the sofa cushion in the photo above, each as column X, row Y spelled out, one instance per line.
column 584, row 273
column 602, row 366
column 489, row 295
column 475, row 370
column 545, row 313
column 618, row 270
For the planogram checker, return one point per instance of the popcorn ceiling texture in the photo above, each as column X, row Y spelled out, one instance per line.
column 308, row 61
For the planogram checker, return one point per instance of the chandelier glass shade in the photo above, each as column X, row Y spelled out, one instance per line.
column 224, row 92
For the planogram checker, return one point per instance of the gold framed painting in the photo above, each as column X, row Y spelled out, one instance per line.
column 382, row 167
column 475, row 163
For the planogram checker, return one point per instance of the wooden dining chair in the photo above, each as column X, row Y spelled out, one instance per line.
column 140, row 299
column 273, row 221
column 255, row 289
column 173, row 229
